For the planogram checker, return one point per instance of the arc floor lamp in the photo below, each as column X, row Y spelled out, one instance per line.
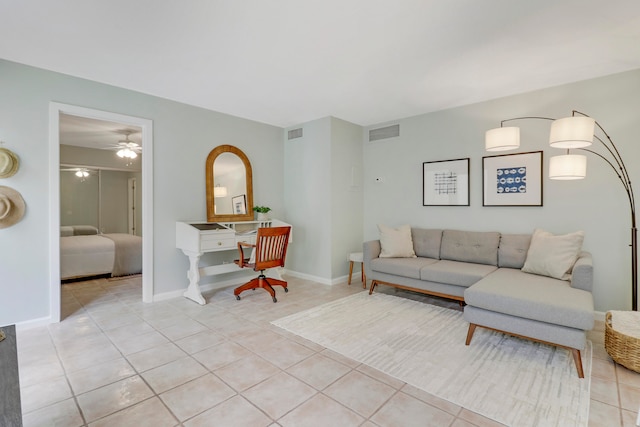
column 576, row 133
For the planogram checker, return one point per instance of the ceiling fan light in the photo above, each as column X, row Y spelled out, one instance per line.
column 572, row 132
column 120, row 153
column 502, row 139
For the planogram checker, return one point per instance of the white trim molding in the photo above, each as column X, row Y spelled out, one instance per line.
column 55, row 109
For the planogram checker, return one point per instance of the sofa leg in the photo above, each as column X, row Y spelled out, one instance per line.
column 373, row 286
column 578, row 360
column 472, row 329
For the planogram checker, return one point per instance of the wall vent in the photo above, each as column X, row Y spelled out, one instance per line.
column 384, row 133
column 295, row 133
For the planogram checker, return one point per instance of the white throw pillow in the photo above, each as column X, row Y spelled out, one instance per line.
column 551, row 255
column 396, row 242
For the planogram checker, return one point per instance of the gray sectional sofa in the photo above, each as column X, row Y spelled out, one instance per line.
column 482, row 270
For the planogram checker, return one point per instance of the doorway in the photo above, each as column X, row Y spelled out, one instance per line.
column 146, row 126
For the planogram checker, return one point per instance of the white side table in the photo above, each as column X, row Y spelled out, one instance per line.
column 357, row 257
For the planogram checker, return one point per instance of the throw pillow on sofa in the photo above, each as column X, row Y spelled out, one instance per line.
column 551, row 255
column 396, row 242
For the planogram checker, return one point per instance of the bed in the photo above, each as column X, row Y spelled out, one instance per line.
column 84, row 252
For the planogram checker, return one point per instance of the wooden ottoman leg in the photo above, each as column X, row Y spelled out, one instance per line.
column 578, row 360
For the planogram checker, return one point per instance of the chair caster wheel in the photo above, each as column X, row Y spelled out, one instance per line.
column 274, row 299
column 238, row 297
column 286, row 290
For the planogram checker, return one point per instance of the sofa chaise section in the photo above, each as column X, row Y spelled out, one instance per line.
column 484, row 271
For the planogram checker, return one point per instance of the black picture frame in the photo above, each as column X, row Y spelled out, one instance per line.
column 446, row 182
column 239, row 204
column 512, row 179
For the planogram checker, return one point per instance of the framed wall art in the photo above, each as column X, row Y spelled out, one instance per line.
column 445, row 183
column 512, row 179
column 239, row 204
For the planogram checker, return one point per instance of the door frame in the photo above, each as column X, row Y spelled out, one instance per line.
column 55, row 109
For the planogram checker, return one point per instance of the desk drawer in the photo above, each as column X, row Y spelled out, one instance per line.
column 211, row 244
column 246, row 239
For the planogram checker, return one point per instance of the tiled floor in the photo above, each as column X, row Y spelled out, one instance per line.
column 114, row 361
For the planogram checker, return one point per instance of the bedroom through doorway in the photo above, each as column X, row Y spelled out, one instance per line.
column 101, row 234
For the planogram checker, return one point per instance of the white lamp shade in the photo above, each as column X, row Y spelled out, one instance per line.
column 572, row 132
column 219, row 191
column 502, row 139
column 568, row 166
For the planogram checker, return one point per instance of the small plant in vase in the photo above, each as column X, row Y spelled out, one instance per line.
column 262, row 212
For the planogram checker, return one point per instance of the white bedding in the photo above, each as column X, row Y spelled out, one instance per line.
column 93, row 255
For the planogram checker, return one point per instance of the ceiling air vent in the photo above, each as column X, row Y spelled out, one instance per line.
column 295, row 133
column 384, row 133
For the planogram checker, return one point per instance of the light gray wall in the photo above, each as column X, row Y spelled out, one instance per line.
column 323, row 196
column 308, row 198
column 79, row 199
column 183, row 136
column 113, row 201
column 346, row 194
column 598, row 204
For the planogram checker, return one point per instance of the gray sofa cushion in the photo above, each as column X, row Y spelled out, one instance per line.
column 470, row 246
column 531, row 296
column 512, row 252
column 455, row 273
column 426, row 243
column 406, row 267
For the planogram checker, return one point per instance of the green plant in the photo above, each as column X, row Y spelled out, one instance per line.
column 261, row 209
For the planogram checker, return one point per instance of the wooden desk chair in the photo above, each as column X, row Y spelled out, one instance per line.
column 270, row 252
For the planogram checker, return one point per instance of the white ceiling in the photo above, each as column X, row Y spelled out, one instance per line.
column 285, row 62
column 94, row 133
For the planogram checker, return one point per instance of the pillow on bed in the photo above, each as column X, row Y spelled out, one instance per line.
column 66, row 231
column 84, row 230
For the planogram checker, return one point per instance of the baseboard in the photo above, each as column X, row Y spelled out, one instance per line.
column 203, row 288
column 33, row 323
column 305, row 276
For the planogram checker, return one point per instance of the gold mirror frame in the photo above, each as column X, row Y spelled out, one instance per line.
column 211, row 158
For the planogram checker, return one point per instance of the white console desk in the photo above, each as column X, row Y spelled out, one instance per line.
column 196, row 238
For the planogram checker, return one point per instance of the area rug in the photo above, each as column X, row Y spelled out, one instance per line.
column 510, row 380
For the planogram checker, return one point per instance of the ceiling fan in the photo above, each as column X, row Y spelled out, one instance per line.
column 128, row 149
column 81, row 173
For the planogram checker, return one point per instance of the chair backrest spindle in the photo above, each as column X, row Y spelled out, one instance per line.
column 271, row 247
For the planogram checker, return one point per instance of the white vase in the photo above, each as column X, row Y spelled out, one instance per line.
column 262, row 216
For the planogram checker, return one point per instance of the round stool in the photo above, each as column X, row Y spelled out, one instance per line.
column 357, row 257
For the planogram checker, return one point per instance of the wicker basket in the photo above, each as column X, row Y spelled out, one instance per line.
column 623, row 349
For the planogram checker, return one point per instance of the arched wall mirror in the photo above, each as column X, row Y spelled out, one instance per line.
column 229, row 185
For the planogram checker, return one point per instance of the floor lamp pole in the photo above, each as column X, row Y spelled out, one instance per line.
column 617, row 164
column 623, row 175
column 634, row 265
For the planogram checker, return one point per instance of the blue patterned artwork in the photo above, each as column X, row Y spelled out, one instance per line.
column 511, row 180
